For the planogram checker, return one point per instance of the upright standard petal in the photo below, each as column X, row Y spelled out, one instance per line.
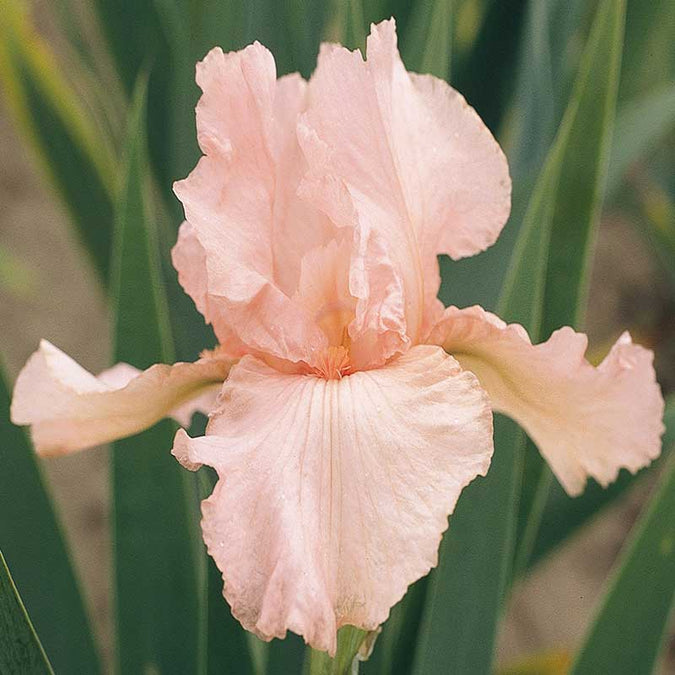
column 586, row 421
column 240, row 255
column 333, row 494
column 70, row 409
column 419, row 165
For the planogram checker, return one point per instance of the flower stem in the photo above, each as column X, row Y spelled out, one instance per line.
column 350, row 640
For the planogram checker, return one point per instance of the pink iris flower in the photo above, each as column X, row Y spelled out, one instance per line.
column 347, row 408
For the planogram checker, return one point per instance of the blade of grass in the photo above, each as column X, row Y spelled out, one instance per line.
column 72, row 151
column 154, row 500
column 32, row 541
column 20, row 648
column 579, row 197
column 627, row 633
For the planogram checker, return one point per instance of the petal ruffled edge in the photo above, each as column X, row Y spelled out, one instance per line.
column 69, row 409
column 586, row 421
column 333, row 494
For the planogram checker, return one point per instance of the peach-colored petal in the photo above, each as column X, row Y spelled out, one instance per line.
column 387, row 291
column 333, row 494
column 241, row 254
column 70, row 409
column 418, row 164
column 586, row 421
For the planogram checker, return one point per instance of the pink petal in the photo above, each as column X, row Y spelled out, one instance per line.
column 418, row 164
column 586, row 421
column 333, row 494
column 70, row 409
column 240, row 256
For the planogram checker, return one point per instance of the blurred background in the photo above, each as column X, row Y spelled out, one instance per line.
column 66, row 101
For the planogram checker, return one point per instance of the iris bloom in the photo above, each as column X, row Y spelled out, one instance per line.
column 347, row 408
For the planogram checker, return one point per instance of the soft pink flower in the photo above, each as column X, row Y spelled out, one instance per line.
column 353, row 409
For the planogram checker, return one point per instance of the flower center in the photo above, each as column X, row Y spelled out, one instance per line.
column 334, row 363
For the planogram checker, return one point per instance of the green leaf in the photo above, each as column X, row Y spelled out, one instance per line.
column 20, row 648
column 583, row 169
column 563, row 516
column 492, row 59
column 32, row 541
column 639, row 125
column 72, row 151
column 285, row 657
column 649, row 52
column 154, row 499
column 349, row 25
column 529, row 131
column 137, row 41
column 463, row 602
column 427, row 44
column 394, row 650
column 628, row 631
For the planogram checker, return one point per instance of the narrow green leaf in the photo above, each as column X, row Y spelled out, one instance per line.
column 463, row 605
column 349, row 25
column 628, row 631
column 563, row 517
column 529, row 131
column 639, row 125
column 394, row 650
column 375, row 11
column 427, row 44
column 20, row 648
column 74, row 154
column 492, row 59
column 581, row 185
column 154, row 500
column 649, row 53
column 286, row 656
column 32, row 541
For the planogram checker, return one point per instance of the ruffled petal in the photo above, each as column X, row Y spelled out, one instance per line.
column 333, row 494
column 586, row 421
column 418, row 164
column 240, row 255
column 70, row 409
